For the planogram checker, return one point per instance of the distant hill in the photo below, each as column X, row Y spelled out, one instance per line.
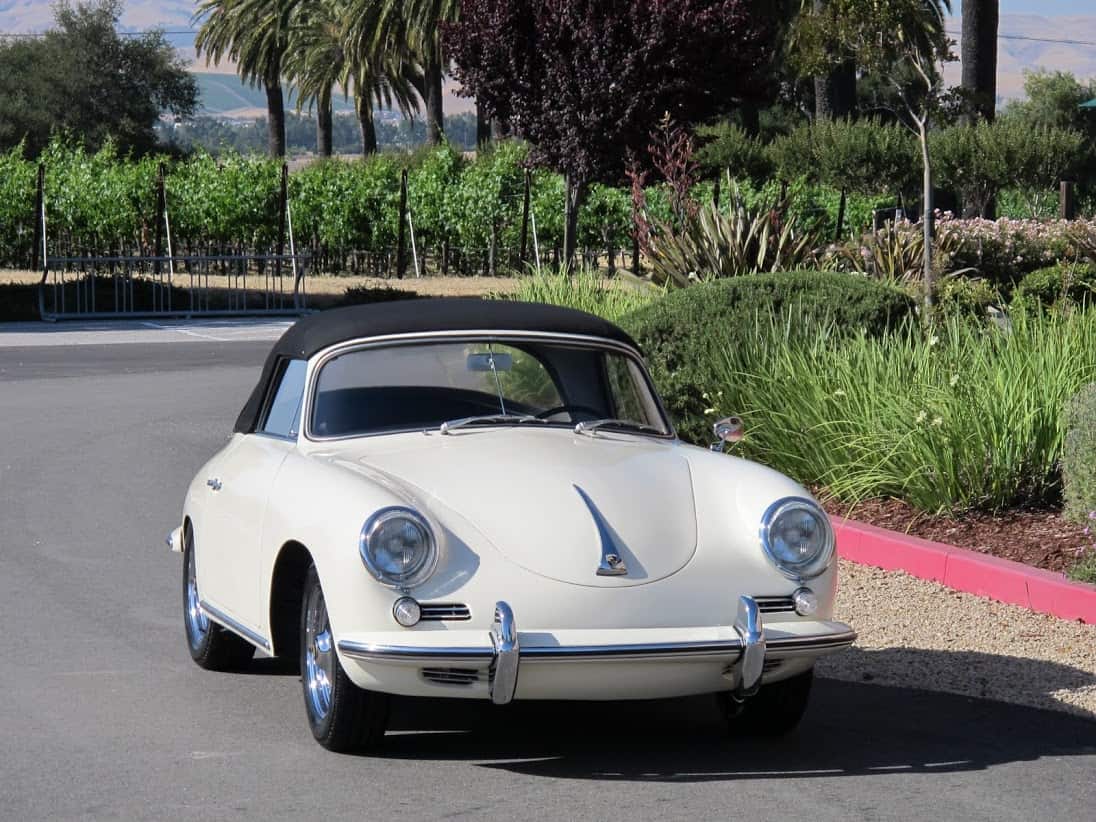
column 225, row 95
column 1015, row 56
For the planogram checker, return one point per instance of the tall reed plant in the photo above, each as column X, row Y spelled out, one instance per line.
column 587, row 290
column 971, row 417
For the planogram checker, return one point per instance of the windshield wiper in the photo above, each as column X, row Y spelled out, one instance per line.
column 490, row 419
column 591, row 427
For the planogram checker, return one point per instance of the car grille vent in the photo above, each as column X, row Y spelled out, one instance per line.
column 451, row 676
column 445, row 612
column 774, row 605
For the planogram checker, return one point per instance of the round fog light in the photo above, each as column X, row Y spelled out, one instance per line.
column 806, row 602
column 407, row 612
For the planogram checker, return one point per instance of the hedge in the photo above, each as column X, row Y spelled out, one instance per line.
column 1079, row 456
column 683, row 333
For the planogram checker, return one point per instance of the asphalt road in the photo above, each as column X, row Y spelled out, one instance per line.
column 104, row 716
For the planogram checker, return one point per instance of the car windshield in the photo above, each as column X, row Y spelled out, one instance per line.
column 461, row 385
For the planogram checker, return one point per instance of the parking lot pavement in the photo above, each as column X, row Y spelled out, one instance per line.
column 104, row 716
column 113, row 332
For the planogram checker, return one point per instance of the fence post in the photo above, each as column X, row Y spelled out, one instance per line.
column 525, row 220
column 283, row 200
column 401, row 239
column 39, row 196
column 840, row 217
column 161, row 207
column 1067, row 201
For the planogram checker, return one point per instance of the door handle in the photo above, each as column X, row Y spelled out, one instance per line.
column 214, row 483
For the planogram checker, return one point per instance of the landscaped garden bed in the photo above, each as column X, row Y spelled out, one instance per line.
column 1040, row 538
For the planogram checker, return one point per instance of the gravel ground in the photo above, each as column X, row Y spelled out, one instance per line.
column 918, row 634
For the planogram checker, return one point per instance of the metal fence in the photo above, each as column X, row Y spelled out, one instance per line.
column 188, row 286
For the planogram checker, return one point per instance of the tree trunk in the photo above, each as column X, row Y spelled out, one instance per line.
column 275, row 112
column 927, row 222
column 834, row 93
column 981, row 19
column 498, row 130
column 575, row 194
column 483, row 127
column 324, row 125
column 751, row 118
column 366, row 125
column 434, row 71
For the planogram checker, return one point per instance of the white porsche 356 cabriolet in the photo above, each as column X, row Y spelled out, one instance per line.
column 483, row 499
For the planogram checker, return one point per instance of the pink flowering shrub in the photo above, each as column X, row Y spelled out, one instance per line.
column 1004, row 250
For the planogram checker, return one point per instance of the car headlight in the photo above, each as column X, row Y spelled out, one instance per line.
column 797, row 537
column 398, row 548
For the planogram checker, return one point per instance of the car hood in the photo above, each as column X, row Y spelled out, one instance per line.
column 554, row 502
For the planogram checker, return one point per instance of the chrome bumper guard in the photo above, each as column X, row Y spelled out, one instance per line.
column 504, row 656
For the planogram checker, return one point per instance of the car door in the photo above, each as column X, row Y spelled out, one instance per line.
column 239, row 488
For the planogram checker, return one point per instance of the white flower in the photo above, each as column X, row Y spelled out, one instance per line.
column 839, row 393
column 954, row 381
column 937, row 421
column 921, row 417
column 709, row 411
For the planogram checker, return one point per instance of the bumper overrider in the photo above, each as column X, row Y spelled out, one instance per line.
column 745, row 652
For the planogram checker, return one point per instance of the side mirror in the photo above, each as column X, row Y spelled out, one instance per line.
column 727, row 431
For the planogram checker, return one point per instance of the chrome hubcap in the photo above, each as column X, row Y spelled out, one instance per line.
column 319, row 656
column 197, row 623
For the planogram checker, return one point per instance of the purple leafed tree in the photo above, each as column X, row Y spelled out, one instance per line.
column 587, row 81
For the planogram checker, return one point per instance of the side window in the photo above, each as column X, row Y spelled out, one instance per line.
column 283, row 417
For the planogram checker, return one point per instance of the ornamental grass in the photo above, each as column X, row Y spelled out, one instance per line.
column 963, row 417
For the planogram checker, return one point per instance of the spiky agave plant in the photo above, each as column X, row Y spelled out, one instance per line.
column 743, row 241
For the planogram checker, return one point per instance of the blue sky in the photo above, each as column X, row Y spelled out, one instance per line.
column 1044, row 8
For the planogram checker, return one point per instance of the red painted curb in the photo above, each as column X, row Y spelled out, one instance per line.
column 966, row 570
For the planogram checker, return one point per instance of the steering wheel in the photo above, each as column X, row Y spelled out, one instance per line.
column 570, row 409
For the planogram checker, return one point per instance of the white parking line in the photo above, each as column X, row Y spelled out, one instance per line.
column 118, row 332
column 186, row 331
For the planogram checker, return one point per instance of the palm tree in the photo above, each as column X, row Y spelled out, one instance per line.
column 254, row 35
column 315, row 62
column 411, row 30
column 979, row 53
column 386, row 82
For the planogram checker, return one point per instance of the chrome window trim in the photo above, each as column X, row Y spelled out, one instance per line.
column 225, row 621
column 319, row 360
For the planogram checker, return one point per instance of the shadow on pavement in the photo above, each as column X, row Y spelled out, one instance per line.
column 851, row 728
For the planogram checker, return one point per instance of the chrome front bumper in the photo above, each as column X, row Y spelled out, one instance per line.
column 745, row 653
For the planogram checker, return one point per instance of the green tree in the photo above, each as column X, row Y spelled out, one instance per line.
column 896, row 40
column 82, row 77
column 253, row 34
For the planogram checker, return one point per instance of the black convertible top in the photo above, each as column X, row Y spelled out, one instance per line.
column 316, row 332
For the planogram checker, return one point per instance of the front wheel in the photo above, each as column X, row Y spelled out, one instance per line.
column 341, row 715
column 211, row 646
column 775, row 710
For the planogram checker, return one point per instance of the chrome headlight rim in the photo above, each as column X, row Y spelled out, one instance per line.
column 816, row 565
column 370, row 529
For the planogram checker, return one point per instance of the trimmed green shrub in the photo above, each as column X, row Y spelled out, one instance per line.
column 1085, row 570
column 687, row 333
column 966, row 297
column 1074, row 283
column 1079, row 456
